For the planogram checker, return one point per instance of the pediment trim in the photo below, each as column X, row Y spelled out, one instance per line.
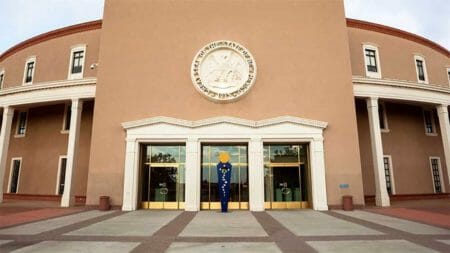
column 224, row 119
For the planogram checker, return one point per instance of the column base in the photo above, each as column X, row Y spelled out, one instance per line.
column 191, row 208
column 382, row 201
column 257, row 208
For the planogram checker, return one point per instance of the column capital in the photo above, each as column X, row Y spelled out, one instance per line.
column 443, row 108
column 130, row 139
column 372, row 102
column 192, row 140
column 8, row 110
column 77, row 103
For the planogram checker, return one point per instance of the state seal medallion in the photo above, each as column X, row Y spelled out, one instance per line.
column 223, row 71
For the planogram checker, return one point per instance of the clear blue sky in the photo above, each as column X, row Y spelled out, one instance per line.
column 22, row 19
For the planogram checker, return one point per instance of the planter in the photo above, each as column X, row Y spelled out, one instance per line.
column 104, row 203
column 347, row 203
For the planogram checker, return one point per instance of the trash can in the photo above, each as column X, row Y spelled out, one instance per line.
column 104, row 204
column 347, row 203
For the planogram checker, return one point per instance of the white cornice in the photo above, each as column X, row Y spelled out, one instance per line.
column 401, row 83
column 48, row 85
column 48, row 92
column 400, row 90
column 224, row 119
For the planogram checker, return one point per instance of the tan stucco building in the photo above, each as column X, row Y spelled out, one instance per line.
column 309, row 105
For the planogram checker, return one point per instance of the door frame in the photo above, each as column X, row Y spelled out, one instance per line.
column 286, row 204
column 215, row 205
column 158, row 204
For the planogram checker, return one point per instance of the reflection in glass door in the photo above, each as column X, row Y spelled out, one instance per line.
column 162, row 177
column 286, row 176
column 239, row 176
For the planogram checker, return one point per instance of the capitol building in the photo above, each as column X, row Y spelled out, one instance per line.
column 308, row 105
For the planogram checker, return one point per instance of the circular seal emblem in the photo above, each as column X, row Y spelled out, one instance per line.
column 223, row 71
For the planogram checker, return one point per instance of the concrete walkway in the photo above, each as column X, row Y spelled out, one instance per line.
column 240, row 231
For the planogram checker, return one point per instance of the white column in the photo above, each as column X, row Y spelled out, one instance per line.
column 5, row 133
column 72, row 148
column 130, row 177
column 442, row 111
column 318, row 179
column 381, row 195
column 192, row 180
column 256, row 175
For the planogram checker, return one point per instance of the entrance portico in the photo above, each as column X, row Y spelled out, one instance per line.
column 284, row 129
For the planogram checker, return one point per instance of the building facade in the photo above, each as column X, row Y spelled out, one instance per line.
column 310, row 106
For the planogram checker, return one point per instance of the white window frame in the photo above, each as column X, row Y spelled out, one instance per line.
column 440, row 173
column 374, row 47
column 425, row 72
column 10, row 174
column 63, row 128
column 433, row 123
column 75, row 48
column 391, row 171
column 386, row 125
column 59, row 173
column 16, row 132
column 448, row 75
column 2, row 72
column 29, row 59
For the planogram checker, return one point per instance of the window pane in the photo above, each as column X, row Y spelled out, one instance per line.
column 283, row 153
column 29, row 72
column 387, row 174
column 15, row 176
column 381, row 116
column 371, row 60
column 428, row 122
column 62, row 176
column 165, row 154
column 77, row 62
column 436, row 175
column 420, row 70
column 22, row 123
column 67, row 118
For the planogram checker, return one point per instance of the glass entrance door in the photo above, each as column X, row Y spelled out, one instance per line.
column 162, row 177
column 239, row 176
column 286, row 176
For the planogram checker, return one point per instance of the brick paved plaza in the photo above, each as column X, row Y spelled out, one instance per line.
column 417, row 227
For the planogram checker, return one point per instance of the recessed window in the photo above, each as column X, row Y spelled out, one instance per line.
column 77, row 66
column 372, row 61
column 21, row 123
column 2, row 78
column 77, row 58
column 383, row 117
column 436, row 173
column 14, row 175
column 30, row 66
column 421, row 69
column 66, row 119
column 387, row 161
column 61, row 175
column 428, row 118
